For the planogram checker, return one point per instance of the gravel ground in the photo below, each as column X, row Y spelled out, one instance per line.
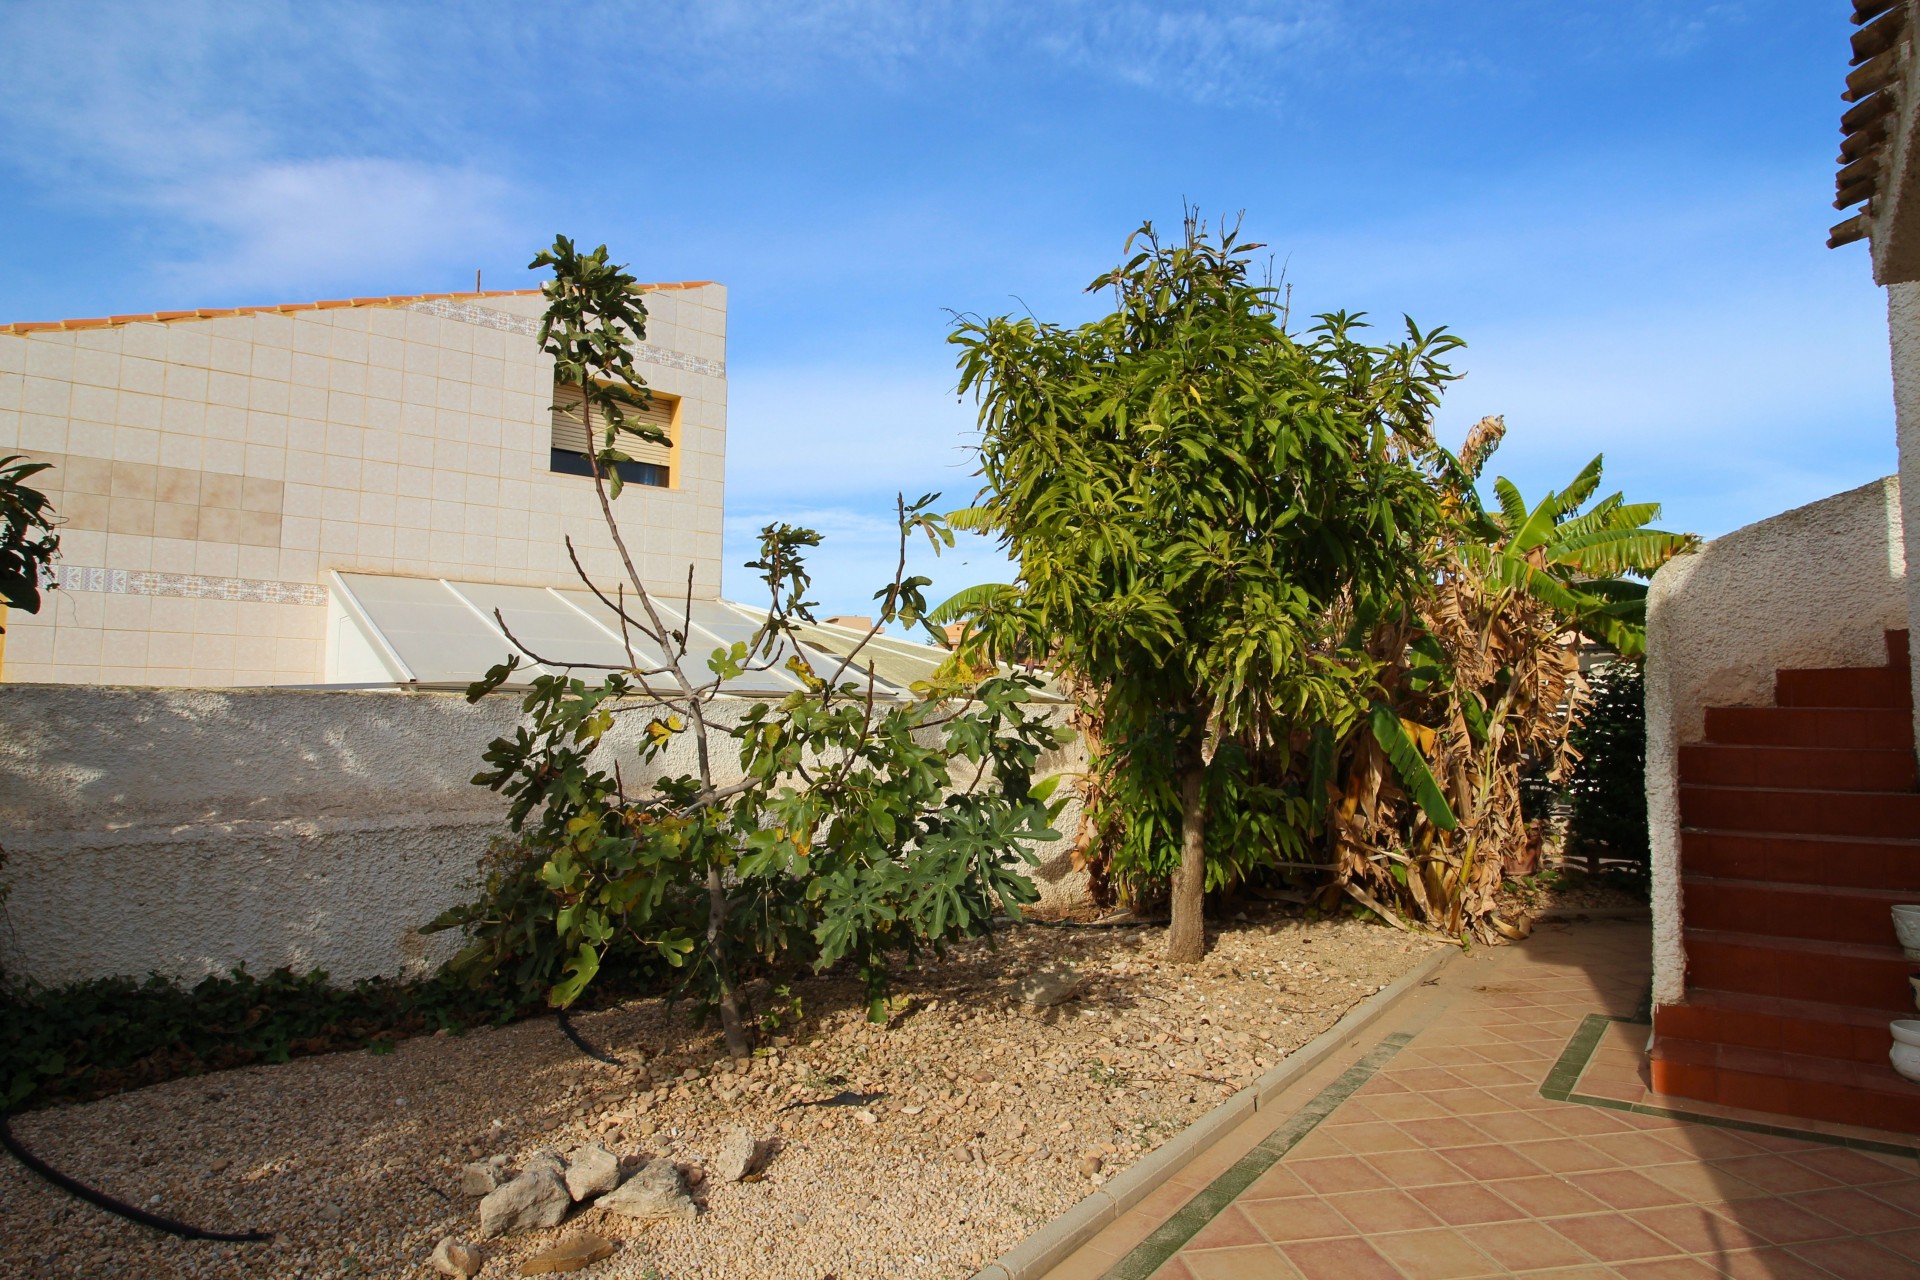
column 991, row 1120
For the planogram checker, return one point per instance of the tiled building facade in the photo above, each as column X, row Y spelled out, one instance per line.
column 213, row 468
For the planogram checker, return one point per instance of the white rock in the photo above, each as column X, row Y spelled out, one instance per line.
column 451, row 1257
column 653, row 1192
column 591, row 1170
column 478, row 1179
column 537, row 1198
column 1045, row 987
column 741, row 1154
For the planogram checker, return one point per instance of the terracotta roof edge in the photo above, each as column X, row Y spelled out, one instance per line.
column 24, row 327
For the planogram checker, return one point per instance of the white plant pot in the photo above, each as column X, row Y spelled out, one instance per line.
column 1906, row 926
column 1913, row 980
column 1905, row 1054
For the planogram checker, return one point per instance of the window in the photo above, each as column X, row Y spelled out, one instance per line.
column 652, row 463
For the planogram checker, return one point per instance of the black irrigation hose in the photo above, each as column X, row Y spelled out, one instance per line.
column 120, row 1208
column 566, row 1026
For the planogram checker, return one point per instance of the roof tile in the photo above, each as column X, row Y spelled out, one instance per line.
column 331, row 304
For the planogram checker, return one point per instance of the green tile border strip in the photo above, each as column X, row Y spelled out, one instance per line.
column 1565, row 1075
column 1166, row 1240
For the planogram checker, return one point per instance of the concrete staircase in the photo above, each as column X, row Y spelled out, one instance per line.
column 1800, row 826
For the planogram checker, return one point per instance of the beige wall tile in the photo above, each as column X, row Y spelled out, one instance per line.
column 259, row 529
column 176, row 520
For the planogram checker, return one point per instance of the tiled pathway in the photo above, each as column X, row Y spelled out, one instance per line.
column 1439, row 1158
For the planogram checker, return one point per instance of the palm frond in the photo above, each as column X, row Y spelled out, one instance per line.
column 1410, row 765
column 971, row 601
column 1610, row 553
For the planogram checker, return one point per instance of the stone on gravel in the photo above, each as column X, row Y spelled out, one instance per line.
column 537, row 1198
column 546, row 1159
column 454, row 1258
column 581, row 1249
column 654, row 1192
column 591, row 1169
column 478, row 1179
column 740, row 1155
column 1046, row 987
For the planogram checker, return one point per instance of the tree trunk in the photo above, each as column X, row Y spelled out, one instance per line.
column 1187, row 934
column 730, row 1023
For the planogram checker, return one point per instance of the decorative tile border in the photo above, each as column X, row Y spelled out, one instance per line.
column 194, row 586
column 507, row 322
column 1563, row 1079
column 1150, row 1254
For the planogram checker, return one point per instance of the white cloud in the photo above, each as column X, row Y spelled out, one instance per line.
column 344, row 220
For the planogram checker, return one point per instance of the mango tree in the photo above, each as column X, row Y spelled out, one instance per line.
column 1198, row 500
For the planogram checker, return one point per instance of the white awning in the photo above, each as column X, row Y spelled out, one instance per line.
column 438, row 632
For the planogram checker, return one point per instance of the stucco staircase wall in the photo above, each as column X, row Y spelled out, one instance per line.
column 1800, row 827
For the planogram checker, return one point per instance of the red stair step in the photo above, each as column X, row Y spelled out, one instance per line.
column 1836, row 861
column 1810, row 1027
column 1843, row 687
column 1818, row 912
column 1811, row 726
column 1778, row 810
column 1872, row 1095
column 1813, row 768
column 1840, row 973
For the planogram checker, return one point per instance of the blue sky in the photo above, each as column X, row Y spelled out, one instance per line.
column 1621, row 205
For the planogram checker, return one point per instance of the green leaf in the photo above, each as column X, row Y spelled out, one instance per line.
column 1410, row 765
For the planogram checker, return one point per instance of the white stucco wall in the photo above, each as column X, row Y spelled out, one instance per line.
column 1817, row 586
column 1903, row 333
column 187, row 831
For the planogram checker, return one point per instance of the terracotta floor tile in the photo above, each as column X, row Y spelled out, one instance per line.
column 1774, row 1172
column 1696, row 1229
column 1492, row 1162
column 1375, row 1212
column 1768, row 1264
column 1549, row 1197
column 1567, row 1155
column 1580, row 1122
column 1441, row 1254
column 1904, row 1243
column 1301, row 1218
column 1692, row 1180
column 1707, row 1142
column 1614, row 1237
column 1623, row 1188
column 1365, row 1139
column 1515, row 1126
column 1667, row 1269
column 1231, row 1227
column 1904, row 1194
column 1349, row 1259
column 1464, row 1204
column 1855, row 1210
column 1318, row 1145
column 1404, row 1106
column 1420, row 1168
column 1855, row 1259
column 1524, row 1246
column 1448, row 1132
column 1470, row 1103
column 1853, row 1168
column 1276, row 1183
column 1776, row 1221
column 1341, row 1173
column 1257, row 1262
column 1173, row 1269
column 1637, row 1150
column 1429, row 1079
